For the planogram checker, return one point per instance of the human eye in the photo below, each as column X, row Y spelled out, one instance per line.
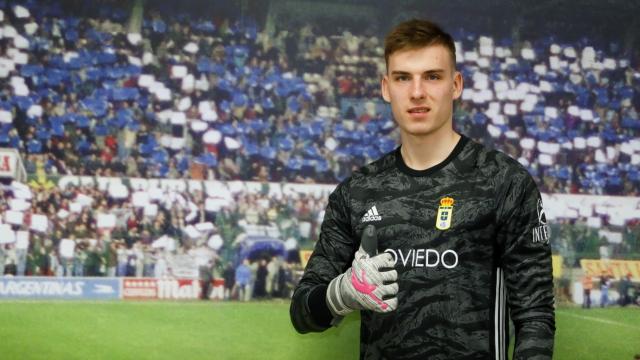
column 402, row 78
column 433, row 76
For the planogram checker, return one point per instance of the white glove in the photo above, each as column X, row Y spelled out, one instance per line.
column 363, row 285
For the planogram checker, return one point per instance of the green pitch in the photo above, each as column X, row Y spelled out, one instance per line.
column 257, row 330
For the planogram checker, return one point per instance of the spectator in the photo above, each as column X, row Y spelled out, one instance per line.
column 93, row 261
column 161, row 269
column 260, row 285
column 604, row 290
column 21, row 250
column 243, row 281
column 229, row 277
column 67, row 253
column 587, row 285
column 273, row 268
column 111, row 257
column 625, row 288
column 285, row 281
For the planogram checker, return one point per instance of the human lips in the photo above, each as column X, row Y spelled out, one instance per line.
column 419, row 110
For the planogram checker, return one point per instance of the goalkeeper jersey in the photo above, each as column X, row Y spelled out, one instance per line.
column 470, row 242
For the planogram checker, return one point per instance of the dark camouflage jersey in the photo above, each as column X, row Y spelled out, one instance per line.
column 470, row 241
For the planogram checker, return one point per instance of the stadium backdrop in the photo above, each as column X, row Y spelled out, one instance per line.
column 554, row 85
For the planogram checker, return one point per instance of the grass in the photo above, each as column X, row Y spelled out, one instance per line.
column 256, row 330
column 612, row 333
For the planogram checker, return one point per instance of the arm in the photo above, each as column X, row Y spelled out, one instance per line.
column 526, row 259
column 332, row 255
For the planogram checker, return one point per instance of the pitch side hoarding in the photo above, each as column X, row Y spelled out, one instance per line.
column 59, row 288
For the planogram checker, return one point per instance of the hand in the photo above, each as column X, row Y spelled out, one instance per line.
column 365, row 285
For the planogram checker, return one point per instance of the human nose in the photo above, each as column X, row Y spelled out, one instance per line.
column 417, row 89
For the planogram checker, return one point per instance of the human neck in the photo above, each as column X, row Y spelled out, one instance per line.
column 423, row 152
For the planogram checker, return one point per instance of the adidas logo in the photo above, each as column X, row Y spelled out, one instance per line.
column 371, row 215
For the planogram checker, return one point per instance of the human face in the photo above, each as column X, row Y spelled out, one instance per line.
column 421, row 85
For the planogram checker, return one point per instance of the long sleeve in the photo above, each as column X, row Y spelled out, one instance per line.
column 332, row 256
column 526, row 260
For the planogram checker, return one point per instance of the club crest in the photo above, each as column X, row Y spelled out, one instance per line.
column 445, row 213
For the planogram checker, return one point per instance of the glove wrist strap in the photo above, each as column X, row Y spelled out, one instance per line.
column 335, row 300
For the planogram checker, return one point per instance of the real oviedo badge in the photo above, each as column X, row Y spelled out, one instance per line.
column 445, row 213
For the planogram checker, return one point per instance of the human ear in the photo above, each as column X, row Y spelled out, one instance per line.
column 458, row 85
column 384, row 87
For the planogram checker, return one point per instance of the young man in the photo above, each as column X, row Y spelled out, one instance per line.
column 461, row 231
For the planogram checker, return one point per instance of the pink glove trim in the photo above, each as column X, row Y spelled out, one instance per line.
column 365, row 288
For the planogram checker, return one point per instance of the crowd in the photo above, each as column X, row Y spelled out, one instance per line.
column 189, row 97
column 627, row 293
column 569, row 112
column 266, row 278
column 112, row 228
column 86, row 230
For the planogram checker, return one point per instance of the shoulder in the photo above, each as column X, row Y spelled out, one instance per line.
column 501, row 168
column 377, row 167
column 367, row 174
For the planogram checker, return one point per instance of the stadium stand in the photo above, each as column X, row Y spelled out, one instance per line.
column 188, row 96
column 77, row 228
column 191, row 98
column 95, row 223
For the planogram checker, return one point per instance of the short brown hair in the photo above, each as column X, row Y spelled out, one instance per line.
column 416, row 33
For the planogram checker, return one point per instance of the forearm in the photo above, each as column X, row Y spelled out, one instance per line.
column 331, row 256
column 534, row 338
column 528, row 271
column 309, row 311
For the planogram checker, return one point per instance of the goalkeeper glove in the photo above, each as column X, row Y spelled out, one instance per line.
column 365, row 285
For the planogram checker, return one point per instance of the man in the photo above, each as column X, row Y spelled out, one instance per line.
column 229, row 276
column 243, row 280
column 604, row 289
column 205, row 259
column 461, row 231
column 624, row 288
column 587, row 285
column 273, row 267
